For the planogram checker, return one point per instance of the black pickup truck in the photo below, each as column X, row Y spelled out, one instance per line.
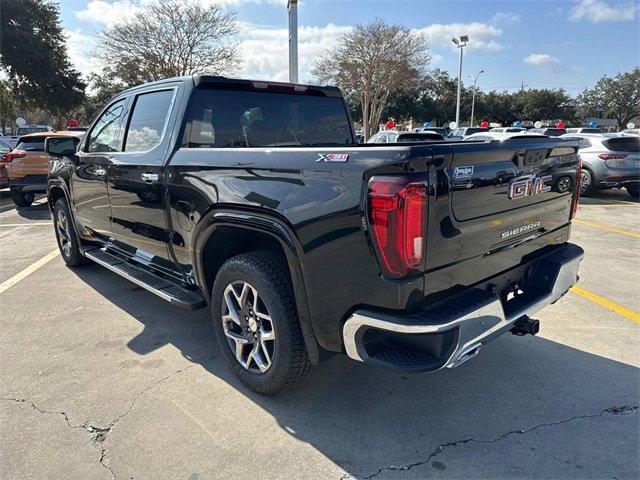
column 254, row 200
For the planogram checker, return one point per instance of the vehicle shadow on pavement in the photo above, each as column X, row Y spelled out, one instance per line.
column 35, row 212
column 369, row 421
column 608, row 197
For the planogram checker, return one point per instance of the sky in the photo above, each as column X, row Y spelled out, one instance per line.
column 566, row 44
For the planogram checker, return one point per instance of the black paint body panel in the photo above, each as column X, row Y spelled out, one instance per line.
column 317, row 210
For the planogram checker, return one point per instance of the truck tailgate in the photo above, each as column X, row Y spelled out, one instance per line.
column 501, row 200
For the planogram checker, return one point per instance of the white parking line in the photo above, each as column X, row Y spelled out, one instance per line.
column 28, row 271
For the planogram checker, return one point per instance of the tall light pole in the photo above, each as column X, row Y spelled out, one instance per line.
column 460, row 43
column 292, row 8
column 473, row 97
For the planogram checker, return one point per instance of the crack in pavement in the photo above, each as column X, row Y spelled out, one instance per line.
column 615, row 410
column 100, row 433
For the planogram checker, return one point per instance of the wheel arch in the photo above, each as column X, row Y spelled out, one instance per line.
column 223, row 234
column 55, row 191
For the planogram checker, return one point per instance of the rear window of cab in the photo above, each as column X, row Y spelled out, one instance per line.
column 31, row 144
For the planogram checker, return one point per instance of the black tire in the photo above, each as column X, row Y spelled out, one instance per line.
column 289, row 359
column 564, row 184
column 22, row 199
column 586, row 182
column 66, row 235
column 634, row 190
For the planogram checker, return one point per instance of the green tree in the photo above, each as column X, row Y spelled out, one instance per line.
column 7, row 105
column 542, row 104
column 438, row 101
column 617, row 97
column 495, row 107
column 34, row 56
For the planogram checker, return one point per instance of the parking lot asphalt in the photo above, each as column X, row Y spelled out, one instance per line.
column 100, row 379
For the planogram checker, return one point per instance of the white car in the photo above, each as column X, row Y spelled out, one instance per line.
column 394, row 136
column 549, row 131
column 584, row 130
column 630, row 132
column 12, row 140
column 493, row 135
column 508, row 130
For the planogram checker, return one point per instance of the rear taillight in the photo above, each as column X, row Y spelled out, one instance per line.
column 576, row 193
column 8, row 157
column 612, row 156
column 397, row 215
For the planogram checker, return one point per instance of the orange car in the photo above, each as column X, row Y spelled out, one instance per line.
column 28, row 165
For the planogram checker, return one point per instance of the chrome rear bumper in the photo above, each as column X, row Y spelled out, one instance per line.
column 461, row 325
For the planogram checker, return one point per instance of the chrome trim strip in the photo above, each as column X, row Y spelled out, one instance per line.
column 489, row 314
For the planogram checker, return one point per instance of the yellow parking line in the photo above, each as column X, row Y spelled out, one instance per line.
column 28, row 271
column 608, row 229
column 7, row 225
column 614, row 307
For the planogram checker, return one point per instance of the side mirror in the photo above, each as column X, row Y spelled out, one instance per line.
column 60, row 146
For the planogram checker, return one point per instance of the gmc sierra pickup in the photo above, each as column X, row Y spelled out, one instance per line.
column 254, row 200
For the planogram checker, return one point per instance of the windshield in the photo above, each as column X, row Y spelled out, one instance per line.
column 31, row 145
column 418, row 137
column 245, row 118
column 472, row 130
column 554, row 132
column 28, row 130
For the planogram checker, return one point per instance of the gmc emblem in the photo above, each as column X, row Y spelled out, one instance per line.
column 528, row 187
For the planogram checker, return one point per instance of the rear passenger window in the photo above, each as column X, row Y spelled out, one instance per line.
column 148, row 120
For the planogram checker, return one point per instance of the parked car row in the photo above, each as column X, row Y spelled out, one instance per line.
column 12, row 140
column 24, row 169
column 609, row 160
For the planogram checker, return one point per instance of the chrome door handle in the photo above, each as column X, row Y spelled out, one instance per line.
column 149, row 177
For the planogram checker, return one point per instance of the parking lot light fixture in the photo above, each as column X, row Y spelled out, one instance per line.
column 473, row 97
column 292, row 8
column 460, row 43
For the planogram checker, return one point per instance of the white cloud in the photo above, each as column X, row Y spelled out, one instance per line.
column 482, row 36
column 596, row 11
column 542, row 60
column 505, row 18
column 265, row 50
column 108, row 13
column 80, row 49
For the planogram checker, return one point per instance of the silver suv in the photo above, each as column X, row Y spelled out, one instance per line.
column 608, row 161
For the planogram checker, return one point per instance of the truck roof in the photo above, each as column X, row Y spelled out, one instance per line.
column 197, row 80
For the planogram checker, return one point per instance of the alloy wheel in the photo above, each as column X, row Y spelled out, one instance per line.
column 248, row 327
column 585, row 181
column 564, row 184
column 64, row 233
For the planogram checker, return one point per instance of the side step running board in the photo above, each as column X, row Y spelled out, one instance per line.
column 169, row 291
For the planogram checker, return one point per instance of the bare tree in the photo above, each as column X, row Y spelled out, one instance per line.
column 168, row 39
column 370, row 62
